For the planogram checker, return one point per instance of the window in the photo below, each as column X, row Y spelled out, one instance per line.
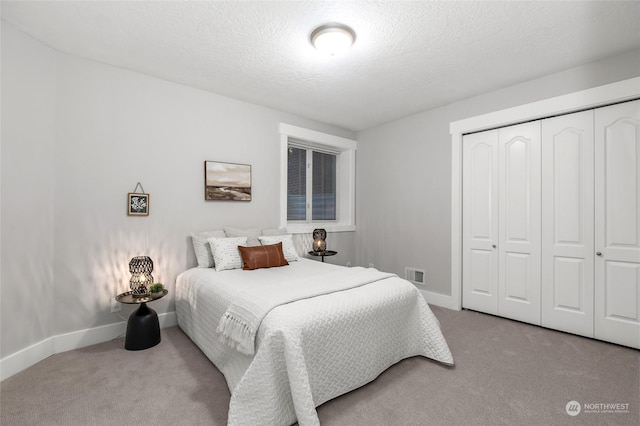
column 323, row 204
column 318, row 180
column 317, row 201
column 296, row 184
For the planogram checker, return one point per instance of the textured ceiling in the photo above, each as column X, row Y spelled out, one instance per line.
column 408, row 56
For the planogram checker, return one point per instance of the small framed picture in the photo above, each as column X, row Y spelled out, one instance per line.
column 138, row 204
column 227, row 181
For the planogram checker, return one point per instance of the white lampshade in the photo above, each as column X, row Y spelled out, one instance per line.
column 332, row 39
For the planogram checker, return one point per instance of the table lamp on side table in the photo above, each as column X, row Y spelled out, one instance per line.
column 143, row 327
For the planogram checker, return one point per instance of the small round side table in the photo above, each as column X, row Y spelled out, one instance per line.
column 323, row 253
column 143, row 328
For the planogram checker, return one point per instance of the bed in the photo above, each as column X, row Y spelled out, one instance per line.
column 310, row 350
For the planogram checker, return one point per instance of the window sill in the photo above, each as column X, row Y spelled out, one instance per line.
column 307, row 228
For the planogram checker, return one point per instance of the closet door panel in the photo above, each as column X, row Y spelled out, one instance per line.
column 519, row 233
column 621, row 298
column 567, row 223
column 617, row 286
column 480, row 222
column 567, row 292
column 517, row 281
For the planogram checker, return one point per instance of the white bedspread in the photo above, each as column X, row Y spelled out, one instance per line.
column 311, row 350
column 239, row 324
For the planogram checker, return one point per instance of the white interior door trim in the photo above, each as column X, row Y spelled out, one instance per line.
column 590, row 98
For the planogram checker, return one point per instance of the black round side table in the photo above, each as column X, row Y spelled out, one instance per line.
column 323, row 253
column 143, row 328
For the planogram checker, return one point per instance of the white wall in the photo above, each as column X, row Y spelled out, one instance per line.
column 27, row 190
column 403, row 179
column 65, row 183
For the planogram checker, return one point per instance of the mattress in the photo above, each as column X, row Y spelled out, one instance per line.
column 307, row 351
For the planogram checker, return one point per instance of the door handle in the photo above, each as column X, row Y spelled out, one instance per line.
column 598, row 253
column 493, row 245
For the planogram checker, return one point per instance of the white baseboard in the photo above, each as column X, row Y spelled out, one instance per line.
column 439, row 299
column 35, row 353
column 87, row 337
column 26, row 357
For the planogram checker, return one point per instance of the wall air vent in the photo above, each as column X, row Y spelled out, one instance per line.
column 414, row 275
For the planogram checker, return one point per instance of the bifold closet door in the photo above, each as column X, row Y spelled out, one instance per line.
column 567, row 223
column 480, row 222
column 617, row 223
column 501, row 222
column 519, row 248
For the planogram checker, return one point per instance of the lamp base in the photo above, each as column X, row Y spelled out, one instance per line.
column 139, row 291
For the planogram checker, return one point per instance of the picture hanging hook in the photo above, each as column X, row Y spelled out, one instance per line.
column 141, row 189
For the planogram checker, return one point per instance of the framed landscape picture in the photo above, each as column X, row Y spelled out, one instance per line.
column 227, row 181
column 138, row 204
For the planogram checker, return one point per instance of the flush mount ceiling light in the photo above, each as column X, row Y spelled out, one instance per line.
column 332, row 39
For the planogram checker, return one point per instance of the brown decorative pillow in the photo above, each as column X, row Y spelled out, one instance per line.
column 262, row 256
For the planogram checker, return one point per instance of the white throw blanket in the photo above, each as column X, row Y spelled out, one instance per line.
column 239, row 324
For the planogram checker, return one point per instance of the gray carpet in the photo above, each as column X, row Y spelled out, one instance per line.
column 506, row 373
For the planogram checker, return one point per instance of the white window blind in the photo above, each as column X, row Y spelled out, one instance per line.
column 297, row 184
column 311, row 183
column 323, row 192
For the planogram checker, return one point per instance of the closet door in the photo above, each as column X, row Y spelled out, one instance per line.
column 567, row 223
column 519, row 231
column 617, row 230
column 480, row 222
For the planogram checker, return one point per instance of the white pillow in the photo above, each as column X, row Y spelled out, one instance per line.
column 288, row 249
column 202, row 248
column 274, row 231
column 251, row 234
column 225, row 252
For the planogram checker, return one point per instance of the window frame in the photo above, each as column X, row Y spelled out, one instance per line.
column 345, row 150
